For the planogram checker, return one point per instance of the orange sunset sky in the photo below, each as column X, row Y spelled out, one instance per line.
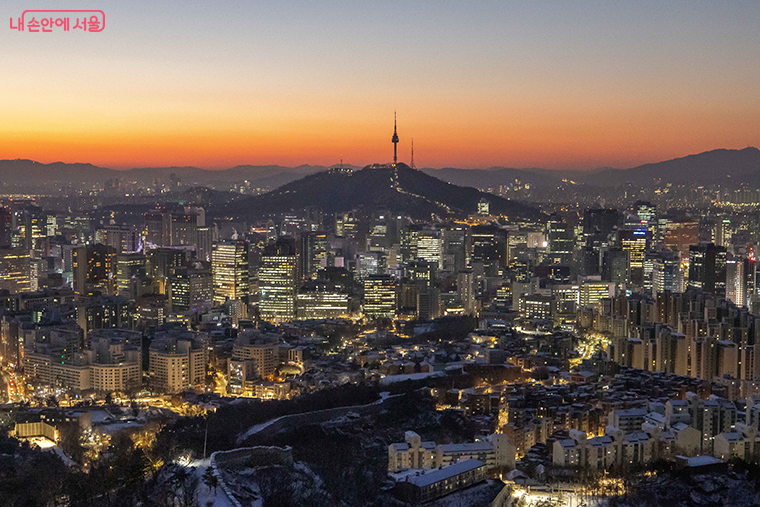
column 516, row 84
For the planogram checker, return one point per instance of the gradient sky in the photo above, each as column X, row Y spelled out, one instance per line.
column 563, row 84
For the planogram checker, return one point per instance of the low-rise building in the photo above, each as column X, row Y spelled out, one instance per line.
column 496, row 451
column 427, row 486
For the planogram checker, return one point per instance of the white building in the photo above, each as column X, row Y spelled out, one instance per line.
column 177, row 361
column 495, row 451
column 255, row 355
column 111, row 361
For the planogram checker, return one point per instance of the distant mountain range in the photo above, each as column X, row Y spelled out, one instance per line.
column 29, row 172
column 374, row 188
column 717, row 166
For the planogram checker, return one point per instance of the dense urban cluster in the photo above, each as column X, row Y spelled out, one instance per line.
column 527, row 357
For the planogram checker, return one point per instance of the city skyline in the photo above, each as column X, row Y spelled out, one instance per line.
column 514, row 85
column 226, row 277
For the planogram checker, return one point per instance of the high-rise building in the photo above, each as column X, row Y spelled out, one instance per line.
column 666, row 274
column 161, row 261
column 379, row 236
column 109, row 362
column 179, row 290
column 456, row 249
column 229, row 268
column 561, row 240
column 422, row 271
column 369, row 263
column 102, row 312
column 190, row 287
column 467, row 290
column 15, row 274
column 598, row 224
column 94, row 268
column 121, row 238
column 320, row 299
column 173, row 227
column 430, row 246
column 736, row 286
column 429, row 303
column 379, row 296
column 29, row 226
column 681, row 235
column 489, row 248
column 278, row 279
column 184, row 227
column 635, row 242
column 722, row 232
column 707, row 268
column 615, row 266
column 6, row 226
column 157, row 228
column 129, row 268
column 205, row 244
column 592, row 292
column 646, row 212
column 314, row 250
column 409, row 239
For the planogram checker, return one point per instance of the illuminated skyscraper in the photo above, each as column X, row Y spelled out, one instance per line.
column 14, row 270
column 430, row 246
column 160, row 264
column 736, row 286
column 380, row 296
column 636, row 242
column 314, row 248
column 29, row 225
column 321, row 300
column 278, row 277
column 467, row 290
column 666, row 274
column 410, row 236
column 229, row 268
column 129, row 267
column 561, row 239
column 94, row 268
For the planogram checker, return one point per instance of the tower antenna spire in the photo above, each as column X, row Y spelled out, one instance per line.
column 394, row 140
column 412, row 161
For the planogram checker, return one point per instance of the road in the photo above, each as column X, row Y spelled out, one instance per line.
column 12, row 388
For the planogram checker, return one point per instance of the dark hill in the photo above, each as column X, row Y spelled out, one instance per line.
column 494, row 177
column 376, row 187
column 718, row 166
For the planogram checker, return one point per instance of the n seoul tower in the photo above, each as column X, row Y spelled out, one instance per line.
column 394, row 140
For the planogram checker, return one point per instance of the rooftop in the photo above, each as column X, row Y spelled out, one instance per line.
column 440, row 474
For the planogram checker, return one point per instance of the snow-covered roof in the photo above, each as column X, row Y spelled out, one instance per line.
column 440, row 474
column 467, row 447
